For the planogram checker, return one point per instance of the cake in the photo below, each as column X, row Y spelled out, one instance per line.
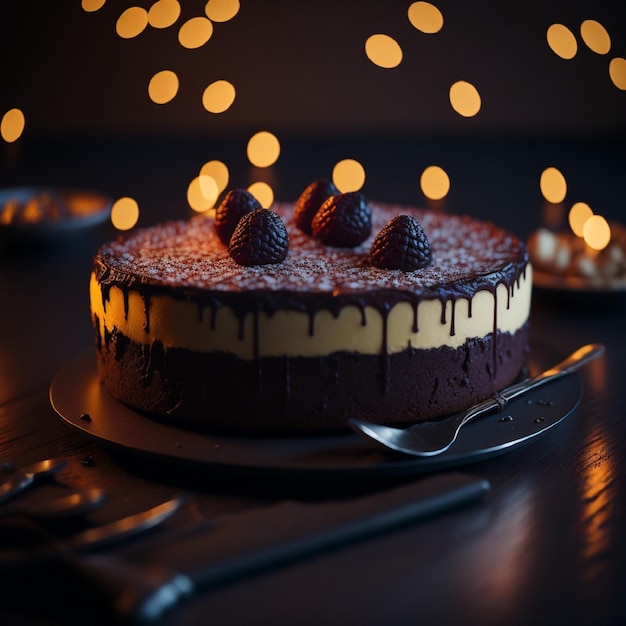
column 321, row 332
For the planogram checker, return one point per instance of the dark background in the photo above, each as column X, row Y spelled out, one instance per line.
column 301, row 67
column 301, row 72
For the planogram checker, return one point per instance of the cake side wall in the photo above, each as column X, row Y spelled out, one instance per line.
column 429, row 323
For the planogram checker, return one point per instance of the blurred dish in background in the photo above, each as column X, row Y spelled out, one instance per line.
column 563, row 261
column 38, row 213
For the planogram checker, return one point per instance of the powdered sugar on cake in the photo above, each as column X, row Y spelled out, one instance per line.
column 189, row 254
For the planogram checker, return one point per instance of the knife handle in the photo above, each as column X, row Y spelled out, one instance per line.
column 137, row 593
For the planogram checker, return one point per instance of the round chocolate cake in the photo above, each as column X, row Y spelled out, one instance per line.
column 197, row 330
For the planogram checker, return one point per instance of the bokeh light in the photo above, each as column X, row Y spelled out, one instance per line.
column 263, row 149
column 425, row 17
column 465, row 99
column 164, row 13
column 577, row 216
column 124, row 213
column 202, row 193
column 221, row 10
column 218, row 171
column 12, row 125
column 263, row 193
column 163, row 87
column 218, row 96
column 383, row 50
column 617, row 72
column 209, row 188
column 92, row 5
column 348, row 175
column 553, row 185
column 562, row 41
column 595, row 36
column 131, row 22
column 195, row 32
column 597, row 232
column 435, row 182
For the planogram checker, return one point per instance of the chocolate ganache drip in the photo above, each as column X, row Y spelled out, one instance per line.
column 186, row 261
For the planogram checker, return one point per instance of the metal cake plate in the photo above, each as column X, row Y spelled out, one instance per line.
column 79, row 398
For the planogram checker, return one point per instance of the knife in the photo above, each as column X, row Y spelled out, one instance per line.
column 141, row 585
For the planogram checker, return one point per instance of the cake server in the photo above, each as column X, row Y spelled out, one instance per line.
column 434, row 437
column 26, row 476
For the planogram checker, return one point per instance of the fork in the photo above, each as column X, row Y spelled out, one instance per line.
column 26, row 476
column 66, row 506
column 434, row 437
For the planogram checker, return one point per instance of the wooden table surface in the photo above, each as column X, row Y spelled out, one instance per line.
column 547, row 543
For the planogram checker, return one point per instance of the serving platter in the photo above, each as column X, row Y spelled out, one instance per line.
column 82, row 402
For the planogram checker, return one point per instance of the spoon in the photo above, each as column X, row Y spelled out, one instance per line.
column 26, row 476
column 60, row 507
column 434, row 437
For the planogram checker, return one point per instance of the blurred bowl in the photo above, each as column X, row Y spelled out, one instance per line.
column 43, row 213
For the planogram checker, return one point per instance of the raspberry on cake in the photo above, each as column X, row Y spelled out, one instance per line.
column 260, row 238
column 310, row 200
column 343, row 221
column 401, row 245
column 236, row 203
column 186, row 333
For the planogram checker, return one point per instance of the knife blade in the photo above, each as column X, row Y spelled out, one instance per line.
column 142, row 585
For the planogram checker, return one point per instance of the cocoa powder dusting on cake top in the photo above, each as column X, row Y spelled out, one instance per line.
column 190, row 254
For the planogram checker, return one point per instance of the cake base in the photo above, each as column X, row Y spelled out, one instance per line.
column 293, row 394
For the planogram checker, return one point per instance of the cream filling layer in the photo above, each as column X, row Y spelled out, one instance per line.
column 177, row 324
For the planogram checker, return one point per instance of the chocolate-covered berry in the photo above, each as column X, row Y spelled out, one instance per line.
column 343, row 221
column 236, row 204
column 260, row 238
column 309, row 202
column 401, row 245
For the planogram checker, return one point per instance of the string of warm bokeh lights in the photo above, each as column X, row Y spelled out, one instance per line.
column 163, row 86
column 553, row 185
column 584, row 223
column 218, row 96
column 384, row 51
column 164, row 13
column 348, row 175
column 263, row 148
column 92, row 5
column 425, row 17
column 435, row 182
column 594, row 35
column 124, row 213
column 12, row 125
